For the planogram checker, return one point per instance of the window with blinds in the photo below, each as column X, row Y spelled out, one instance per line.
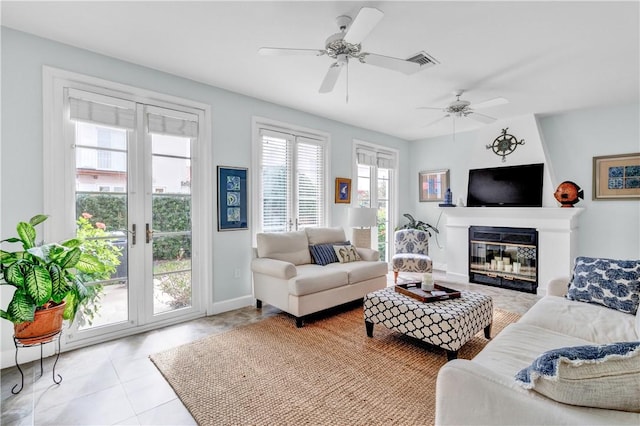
column 292, row 181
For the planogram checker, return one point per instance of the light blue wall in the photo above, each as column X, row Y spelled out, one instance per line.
column 434, row 154
column 606, row 228
column 23, row 56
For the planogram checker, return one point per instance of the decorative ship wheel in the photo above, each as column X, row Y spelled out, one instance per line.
column 505, row 144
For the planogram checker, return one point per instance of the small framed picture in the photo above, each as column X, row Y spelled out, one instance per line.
column 616, row 177
column 232, row 198
column 432, row 184
column 343, row 190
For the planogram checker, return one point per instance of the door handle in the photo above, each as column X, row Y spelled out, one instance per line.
column 149, row 233
column 133, row 234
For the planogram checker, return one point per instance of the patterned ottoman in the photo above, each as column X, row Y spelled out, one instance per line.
column 448, row 324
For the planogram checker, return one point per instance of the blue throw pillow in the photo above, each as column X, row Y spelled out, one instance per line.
column 546, row 365
column 323, row 254
column 601, row 376
column 611, row 283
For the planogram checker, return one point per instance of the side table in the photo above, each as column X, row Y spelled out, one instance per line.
column 57, row 378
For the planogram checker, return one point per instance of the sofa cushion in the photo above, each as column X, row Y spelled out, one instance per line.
column 611, row 283
column 518, row 345
column 601, row 376
column 325, row 235
column 290, row 247
column 593, row 323
column 316, row 278
column 346, row 254
column 408, row 262
column 323, row 254
column 361, row 270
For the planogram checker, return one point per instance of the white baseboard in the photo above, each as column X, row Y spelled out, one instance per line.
column 25, row 355
column 439, row 266
column 231, row 304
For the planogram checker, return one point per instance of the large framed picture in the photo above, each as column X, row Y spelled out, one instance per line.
column 432, row 184
column 616, row 177
column 232, row 198
column 343, row 190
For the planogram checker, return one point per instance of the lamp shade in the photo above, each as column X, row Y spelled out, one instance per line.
column 362, row 217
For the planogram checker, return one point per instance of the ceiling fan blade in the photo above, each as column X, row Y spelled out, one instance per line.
column 278, row 51
column 481, row 117
column 331, row 78
column 366, row 20
column 490, row 103
column 388, row 62
column 438, row 108
column 435, row 121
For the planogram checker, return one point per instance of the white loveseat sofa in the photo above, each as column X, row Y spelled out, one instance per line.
column 483, row 391
column 285, row 276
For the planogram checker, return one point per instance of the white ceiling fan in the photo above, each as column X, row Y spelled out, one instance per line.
column 345, row 45
column 461, row 108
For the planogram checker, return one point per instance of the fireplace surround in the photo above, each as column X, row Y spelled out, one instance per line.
column 504, row 257
column 557, row 237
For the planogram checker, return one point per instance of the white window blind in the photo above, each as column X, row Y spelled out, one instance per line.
column 275, row 188
column 311, row 178
column 365, row 157
column 292, row 181
column 164, row 121
column 100, row 109
column 385, row 160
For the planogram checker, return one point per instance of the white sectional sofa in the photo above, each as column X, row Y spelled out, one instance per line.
column 285, row 275
column 483, row 391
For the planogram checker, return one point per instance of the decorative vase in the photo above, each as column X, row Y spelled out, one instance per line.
column 45, row 325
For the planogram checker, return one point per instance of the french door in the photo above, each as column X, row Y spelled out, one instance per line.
column 130, row 167
column 375, row 170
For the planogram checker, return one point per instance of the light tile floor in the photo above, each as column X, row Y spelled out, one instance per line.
column 115, row 383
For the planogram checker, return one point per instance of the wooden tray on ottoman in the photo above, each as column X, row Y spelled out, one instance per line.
column 413, row 290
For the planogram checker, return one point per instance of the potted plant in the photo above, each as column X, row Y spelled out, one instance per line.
column 48, row 282
column 417, row 224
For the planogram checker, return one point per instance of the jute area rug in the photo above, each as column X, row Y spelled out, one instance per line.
column 328, row 372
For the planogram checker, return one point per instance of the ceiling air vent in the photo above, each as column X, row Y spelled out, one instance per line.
column 424, row 60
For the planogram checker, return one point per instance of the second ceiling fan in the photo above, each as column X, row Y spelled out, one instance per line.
column 345, row 45
column 461, row 108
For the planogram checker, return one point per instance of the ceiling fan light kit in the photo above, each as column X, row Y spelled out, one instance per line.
column 346, row 44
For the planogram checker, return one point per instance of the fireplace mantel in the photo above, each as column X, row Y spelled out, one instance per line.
column 556, row 237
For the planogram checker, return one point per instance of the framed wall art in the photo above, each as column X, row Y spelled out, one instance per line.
column 232, row 198
column 343, row 190
column 616, row 177
column 432, row 185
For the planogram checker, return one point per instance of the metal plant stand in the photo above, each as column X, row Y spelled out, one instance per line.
column 57, row 378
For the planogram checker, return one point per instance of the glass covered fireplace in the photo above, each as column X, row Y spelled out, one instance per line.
column 504, row 257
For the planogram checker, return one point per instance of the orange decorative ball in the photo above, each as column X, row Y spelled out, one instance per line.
column 568, row 193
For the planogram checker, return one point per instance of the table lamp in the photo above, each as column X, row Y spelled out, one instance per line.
column 361, row 219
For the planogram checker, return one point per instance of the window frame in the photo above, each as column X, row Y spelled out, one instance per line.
column 393, row 189
column 324, row 138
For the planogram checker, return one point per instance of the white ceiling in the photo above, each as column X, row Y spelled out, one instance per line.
column 544, row 57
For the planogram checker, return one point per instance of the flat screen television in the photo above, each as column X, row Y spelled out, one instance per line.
column 514, row 186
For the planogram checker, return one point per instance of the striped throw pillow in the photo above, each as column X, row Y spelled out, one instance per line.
column 323, row 254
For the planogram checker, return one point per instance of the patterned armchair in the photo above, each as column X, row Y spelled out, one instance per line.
column 412, row 252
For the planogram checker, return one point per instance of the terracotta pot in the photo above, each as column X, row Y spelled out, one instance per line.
column 45, row 325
